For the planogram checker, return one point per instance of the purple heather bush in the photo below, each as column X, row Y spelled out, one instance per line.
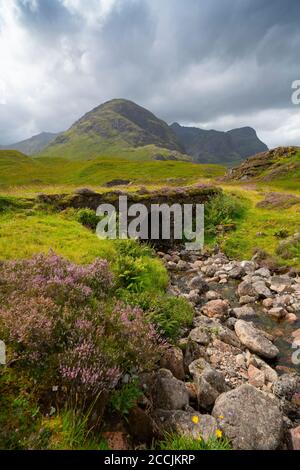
column 62, row 323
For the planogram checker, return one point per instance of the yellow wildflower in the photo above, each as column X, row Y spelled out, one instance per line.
column 221, row 417
column 199, row 439
column 195, row 419
column 219, row 433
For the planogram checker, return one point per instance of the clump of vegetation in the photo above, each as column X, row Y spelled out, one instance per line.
column 170, row 314
column 87, row 218
column 179, row 442
column 290, row 247
column 137, row 269
column 62, row 327
column 222, row 211
column 125, row 398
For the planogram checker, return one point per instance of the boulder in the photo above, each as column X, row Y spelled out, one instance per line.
column 277, row 312
column 212, row 295
column 251, row 420
column 209, row 382
column 263, row 272
column 186, row 423
column 246, row 288
column 244, row 312
column 199, row 335
column 198, row 283
column 255, row 340
column 169, row 393
column 216, row 308
column 236, row 273
column 261, row 289
column 246, row 299
column 172, row 360
column 248, row 266
column 280, row 284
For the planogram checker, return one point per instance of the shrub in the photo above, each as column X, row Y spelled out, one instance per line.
column 87, row 218
column 222, row 210
column 124, row 399
column 55, row 277
column 140, row 274
column 169, row 314
column 61, row 325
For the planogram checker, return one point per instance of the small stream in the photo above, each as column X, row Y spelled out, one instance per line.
column 280, row 330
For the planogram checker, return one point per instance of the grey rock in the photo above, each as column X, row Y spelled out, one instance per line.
column 236, row 273
column 254, row 340
column 261, row 289
column 198, row 282
column 209, row 382
column 246, row 288
column 212, row 295
column 246, row 299
column 263, row 272
column 186, row 423
column 252, row 420
column 199, row 335
column 244, row 312
column 169, row 393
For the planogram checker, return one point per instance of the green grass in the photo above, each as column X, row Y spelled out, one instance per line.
column 20, row 174
column 243, row 241
column 177, row 442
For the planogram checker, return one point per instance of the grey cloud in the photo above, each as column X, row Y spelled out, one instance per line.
column 193, row 61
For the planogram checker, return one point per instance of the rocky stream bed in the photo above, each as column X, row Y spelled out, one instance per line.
column 236, row 371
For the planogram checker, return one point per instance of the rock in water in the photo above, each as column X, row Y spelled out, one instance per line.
column 254, row 340
column 250, row 419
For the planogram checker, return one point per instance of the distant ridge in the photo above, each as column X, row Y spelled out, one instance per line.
column 228, row 148
column 32, row 145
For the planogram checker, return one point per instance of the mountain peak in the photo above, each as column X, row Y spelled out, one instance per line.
column 118, row 123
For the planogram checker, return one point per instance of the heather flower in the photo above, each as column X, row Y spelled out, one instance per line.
column 59, row 321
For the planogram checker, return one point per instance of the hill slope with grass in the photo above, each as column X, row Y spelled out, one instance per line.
column 210, row 146
column 33, row 145
column 20, row 171
column 116, row 127
column 279, row 167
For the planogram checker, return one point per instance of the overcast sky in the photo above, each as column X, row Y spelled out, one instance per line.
column 212, row 63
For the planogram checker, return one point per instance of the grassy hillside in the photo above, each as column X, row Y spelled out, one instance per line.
column 17, row 170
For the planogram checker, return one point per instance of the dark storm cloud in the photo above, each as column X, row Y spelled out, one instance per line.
column 219, row 63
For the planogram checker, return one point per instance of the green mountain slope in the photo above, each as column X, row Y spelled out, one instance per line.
column 117, row 128
column 210, row 146
column 279, row 167
column 33, row 145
